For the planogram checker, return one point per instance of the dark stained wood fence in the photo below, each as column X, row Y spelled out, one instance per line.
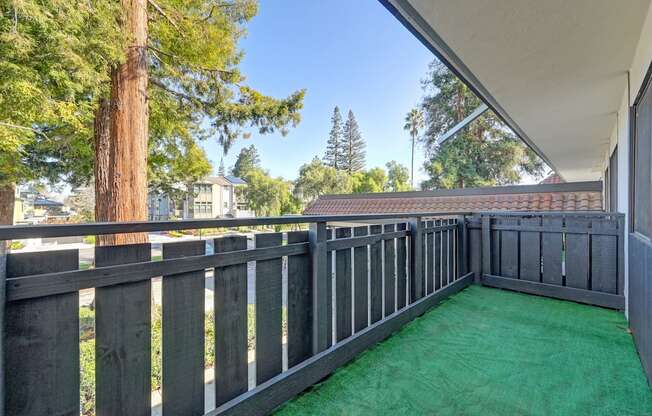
column 572, row 256
column 348, row 287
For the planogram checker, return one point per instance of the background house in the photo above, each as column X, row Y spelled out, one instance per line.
column 212, row 197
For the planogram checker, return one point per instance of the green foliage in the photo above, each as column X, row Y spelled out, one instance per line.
column 334, row 156
column 16, row 245
column 268, row 196
column 317, row 179
column 373, row 180
column 486, row 153
column 398, row 177
column 55, row 63
column 248, row 160
column 413, row 124
column 55, row 58
column 354, row 146
column 87, row 381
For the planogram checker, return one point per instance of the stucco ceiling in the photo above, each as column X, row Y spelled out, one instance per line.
column 555, row 69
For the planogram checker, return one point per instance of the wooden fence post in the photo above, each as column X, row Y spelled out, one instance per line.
column 462, row 246
column 416, row 259
column 486, row 245
column 3, row 278
column 622, row 235
column 320, row 282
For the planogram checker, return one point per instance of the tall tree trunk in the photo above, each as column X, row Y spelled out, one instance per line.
column 412, row 169
column 7, row 200
column 121, row 134
column 102, row 154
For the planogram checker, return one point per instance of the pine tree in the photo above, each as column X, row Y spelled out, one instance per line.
column 354, row 146
column 334, row 150
column 247, row 160
column 221, row 171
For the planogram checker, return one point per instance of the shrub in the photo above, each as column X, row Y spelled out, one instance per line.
column 17, row 245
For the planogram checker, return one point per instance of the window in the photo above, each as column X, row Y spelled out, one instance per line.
column 202, row 188
column 203, row 207
column 642, row 168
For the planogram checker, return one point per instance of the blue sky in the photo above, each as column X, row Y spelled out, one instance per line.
column 351, row 53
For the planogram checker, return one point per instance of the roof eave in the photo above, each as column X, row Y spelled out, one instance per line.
column 413, row 21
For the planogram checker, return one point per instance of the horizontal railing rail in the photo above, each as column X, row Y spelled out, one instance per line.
column 13, row 232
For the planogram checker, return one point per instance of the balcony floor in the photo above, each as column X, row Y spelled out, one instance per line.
column 492, row 352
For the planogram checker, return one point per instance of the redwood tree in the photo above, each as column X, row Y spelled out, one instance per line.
column 123, row 90
column 121, row 132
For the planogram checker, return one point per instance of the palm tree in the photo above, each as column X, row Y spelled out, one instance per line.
column 413, row 123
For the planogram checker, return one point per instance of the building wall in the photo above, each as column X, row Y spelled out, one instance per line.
column 632, row 82
column 640, row 300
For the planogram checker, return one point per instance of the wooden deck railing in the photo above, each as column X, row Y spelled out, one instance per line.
column 572, row 256
column 349, row 282
column 347, row 288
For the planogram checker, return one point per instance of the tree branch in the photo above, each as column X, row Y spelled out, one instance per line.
column 175, row 93
column 165, row 15
column 179, row 59
column 15, row 126
column 15, row 29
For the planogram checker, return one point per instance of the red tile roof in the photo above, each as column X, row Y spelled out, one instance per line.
column 584, row 196
column 552, row 179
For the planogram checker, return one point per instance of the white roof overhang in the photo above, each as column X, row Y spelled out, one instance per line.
column 555, row 71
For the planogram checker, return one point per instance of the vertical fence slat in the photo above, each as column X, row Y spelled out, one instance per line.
column 530, row 251
column 123, row 337
column 508, row 249
column 183, row 334
column 360, row 282
column 487, row 245
column 299, row 303
column 495, row 248
column 376, row 276
column 437, row 256
column 463, row 246
column 622, row 235
column 230, row 308
column 269, row 302
column 577, row 254
column 343, row 287
column 416, row 260
column 604, row 255
column 390, row 271
column 4, row 247
column 428, row 255
column 454, row 250
column 322, row 287
column 401, row 272
column 445, row 266
column 330, row 234
column 42, row 341
column 475, row 247
column 552, row 251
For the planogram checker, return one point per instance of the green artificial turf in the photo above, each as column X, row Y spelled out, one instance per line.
column 491, row 352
